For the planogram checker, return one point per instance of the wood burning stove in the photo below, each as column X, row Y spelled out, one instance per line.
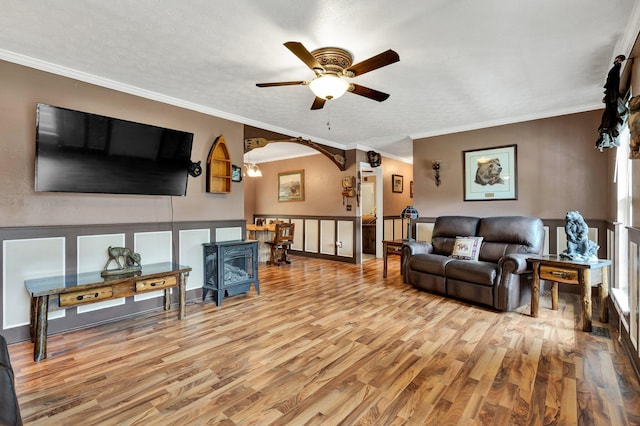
column 230, row 267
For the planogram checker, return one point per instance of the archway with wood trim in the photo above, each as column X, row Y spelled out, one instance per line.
column 336, row 155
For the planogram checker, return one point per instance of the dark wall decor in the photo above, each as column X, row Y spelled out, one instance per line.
column 397, row 183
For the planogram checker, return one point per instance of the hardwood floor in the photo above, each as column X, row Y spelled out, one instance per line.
column 331, row 343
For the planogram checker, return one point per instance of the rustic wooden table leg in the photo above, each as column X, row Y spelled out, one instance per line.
column 32, row 319
column 535, row 290
column 584, row 277
column 604, row 296
column 386, row 257
column 554, row 295
column 40, row 343
column 167, row 299
column 182, row 296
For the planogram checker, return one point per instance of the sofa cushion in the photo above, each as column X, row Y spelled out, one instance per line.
column 510, row 234
column 429, row 263
column 480, row 272
column 467, row 248
column 447, row 228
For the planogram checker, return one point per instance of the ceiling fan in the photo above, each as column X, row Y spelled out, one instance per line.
column 332, row 65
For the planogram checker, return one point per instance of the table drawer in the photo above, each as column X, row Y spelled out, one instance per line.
column 86, row 296
column 156, row 284
column 559, row 274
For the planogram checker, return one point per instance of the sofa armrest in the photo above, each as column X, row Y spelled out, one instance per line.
column 410, row 248
column 515, row 263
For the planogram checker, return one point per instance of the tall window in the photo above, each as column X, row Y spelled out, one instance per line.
column 622, row 177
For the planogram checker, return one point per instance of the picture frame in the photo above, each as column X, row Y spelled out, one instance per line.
column 397, row 183
column 236, row 173
column 291, row 185
column 411, row 189
column 491, row 173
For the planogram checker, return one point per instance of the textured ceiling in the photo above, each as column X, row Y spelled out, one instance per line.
column 463, row 64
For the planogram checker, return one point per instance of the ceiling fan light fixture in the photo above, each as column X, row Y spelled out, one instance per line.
column 329, row 86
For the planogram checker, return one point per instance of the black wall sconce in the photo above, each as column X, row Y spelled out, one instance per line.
column 435, row 165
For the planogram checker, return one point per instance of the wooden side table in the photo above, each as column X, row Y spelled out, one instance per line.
column 556, row 269
column 391, row 247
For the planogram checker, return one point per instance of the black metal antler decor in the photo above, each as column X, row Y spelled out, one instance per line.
column 435, row 165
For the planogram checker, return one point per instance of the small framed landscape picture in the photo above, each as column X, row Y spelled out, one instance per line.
column 491, row 174
column 291, row 186
column 397, row 183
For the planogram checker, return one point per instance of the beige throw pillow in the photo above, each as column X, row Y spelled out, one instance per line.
column 467, row 248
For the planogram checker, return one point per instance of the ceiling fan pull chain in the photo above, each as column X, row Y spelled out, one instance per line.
column 329, row 117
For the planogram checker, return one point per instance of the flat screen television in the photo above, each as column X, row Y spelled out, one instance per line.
column 82, row 152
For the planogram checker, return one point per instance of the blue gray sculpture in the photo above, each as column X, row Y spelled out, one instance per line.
column 579, row 247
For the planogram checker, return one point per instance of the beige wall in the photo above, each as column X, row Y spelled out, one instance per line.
column 558, row 169
column 20, row 205
column 249, row 184
column 394, row 202
column 322, row 187
column 323, row 191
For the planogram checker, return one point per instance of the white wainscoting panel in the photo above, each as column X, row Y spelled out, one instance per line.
column 311, row 235
column 92, row 256
column 611, row 255
column 298, row 232
column 561, row 236
column 228, row 234
column 424, row 231
column 545, row 247
column 634, row 276
column 345, row 234
column 388, row 230
column 328, row 237
column 154, row 247
column 190, row 254
column 399, row 229
column 26, row 259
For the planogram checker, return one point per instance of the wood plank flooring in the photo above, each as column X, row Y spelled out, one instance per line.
column 332, row 344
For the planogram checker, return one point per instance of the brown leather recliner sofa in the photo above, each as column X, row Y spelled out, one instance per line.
column 500, row 278
column 9, row 408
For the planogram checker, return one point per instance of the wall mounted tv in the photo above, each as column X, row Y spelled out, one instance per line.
column 81, row 152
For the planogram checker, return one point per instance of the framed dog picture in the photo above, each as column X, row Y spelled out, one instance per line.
column 491, row 174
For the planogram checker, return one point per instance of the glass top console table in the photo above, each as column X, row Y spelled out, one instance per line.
column 72, row 290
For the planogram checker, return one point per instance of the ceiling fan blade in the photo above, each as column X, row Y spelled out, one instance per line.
column 318, row 103
column 304, row 55
column 380, row 60
column 369, row 93
column 281, row 83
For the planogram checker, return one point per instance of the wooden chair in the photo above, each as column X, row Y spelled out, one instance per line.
column 281, row 243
